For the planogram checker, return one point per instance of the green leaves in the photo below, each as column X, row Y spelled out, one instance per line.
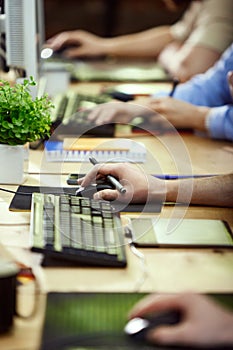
column 23, row 119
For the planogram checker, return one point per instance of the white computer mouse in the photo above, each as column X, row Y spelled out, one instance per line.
column 137, row 327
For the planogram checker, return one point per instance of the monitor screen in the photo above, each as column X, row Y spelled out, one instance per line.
column 22, row 36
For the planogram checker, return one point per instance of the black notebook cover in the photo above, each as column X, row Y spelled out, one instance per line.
column 78, row 321
column 22, row 199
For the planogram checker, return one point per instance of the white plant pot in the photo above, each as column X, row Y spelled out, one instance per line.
column 13, row 164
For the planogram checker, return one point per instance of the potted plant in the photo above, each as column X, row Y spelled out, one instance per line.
column 22, row 120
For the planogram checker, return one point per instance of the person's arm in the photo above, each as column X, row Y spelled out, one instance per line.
column 179, row 113
column 140, row 187
column 217, row 122
column 148, row 43
column 212, row 191
column 184, row 62
column 211, row 88
column 204, row 322
column 204, row 33
column 170, row 111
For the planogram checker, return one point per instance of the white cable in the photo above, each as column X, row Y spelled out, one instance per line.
column 139, row 255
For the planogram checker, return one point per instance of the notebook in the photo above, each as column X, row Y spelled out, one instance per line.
column 87, row 321
column 159, row 232
column 103, row 149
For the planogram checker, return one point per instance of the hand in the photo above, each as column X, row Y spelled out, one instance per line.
column 87, row 44
column 118, row 112
column 204, row 322
column 179, row 113
column 139, row 187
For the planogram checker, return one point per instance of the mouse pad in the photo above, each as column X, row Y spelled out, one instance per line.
column 22, row 199
column 78, row 321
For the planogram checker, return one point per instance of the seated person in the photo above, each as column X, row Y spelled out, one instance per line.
column 204, row 103
column 141, row 188
column 204, row 322
column 188, row 47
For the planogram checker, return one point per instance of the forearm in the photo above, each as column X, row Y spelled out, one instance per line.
column 220, row 122
column 184, row 62
column 195, row 119
column 148, row 43
column 198, row 119
column 213, row 191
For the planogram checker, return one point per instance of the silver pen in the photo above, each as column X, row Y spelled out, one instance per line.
column 110, row 178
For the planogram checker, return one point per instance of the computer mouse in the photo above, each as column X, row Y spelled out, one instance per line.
column 48, row 52
column 104, row 186
column 137, row 327
column 91, row 189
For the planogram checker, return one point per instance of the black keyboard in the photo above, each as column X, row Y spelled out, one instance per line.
column 69, row 117
column 71, row 230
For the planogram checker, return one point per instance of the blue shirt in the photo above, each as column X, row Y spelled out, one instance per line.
column 211, row 89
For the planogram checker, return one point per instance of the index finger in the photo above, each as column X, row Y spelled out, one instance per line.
column 101, row 170
column 90, row 177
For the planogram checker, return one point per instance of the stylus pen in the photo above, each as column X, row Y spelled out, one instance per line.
column 174, row 85
column 110, row 178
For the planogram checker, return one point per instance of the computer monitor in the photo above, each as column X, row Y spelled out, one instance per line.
column 22, row 25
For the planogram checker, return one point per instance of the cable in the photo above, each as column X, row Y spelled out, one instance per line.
column 30, row 193
column 139, row 255
column 15, row 192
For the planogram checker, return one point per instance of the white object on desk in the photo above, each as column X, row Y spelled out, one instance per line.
column 14, row 164
column 56, row 76
column 114, row 150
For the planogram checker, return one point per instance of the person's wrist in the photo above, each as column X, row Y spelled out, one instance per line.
column 200, row 120
column 157, row 189
column 171, row 190
column 108, row 47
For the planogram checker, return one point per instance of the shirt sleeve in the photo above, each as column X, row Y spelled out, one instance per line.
column 208, row 23
column 183, row 28
column 219, row 122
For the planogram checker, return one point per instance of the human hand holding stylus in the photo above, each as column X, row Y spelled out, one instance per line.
column 110, row 178
column 139, row 186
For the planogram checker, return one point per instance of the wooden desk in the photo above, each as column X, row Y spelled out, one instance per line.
column 167, row 270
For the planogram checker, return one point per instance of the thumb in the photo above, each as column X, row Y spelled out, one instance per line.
column 167, row 334
column 107, row 195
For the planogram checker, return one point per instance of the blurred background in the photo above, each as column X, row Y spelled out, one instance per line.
column 107, row 17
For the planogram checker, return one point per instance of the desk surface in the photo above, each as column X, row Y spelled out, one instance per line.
column 168, row 154
column 166, row 270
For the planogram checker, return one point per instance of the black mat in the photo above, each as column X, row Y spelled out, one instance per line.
column 22, row 199
column 87, row 321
